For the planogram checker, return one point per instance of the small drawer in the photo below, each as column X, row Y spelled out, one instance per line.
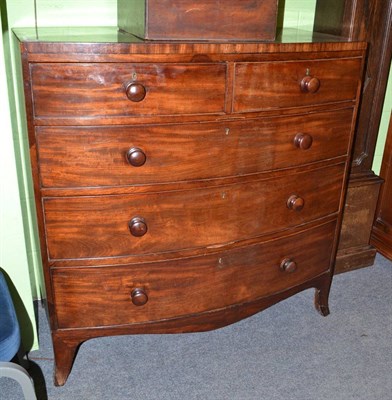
column 98, row 90
column 136, row 224
column 266, row 85
column 88, row 297
column 133, row 155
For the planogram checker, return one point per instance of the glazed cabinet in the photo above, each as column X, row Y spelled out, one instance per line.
column 181, row 187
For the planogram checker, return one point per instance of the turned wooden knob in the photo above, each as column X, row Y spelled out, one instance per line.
column 139, row 297
column 288, row 265
column 295, row 203
column 136, row 157
column 310, row 84
column 138, row 226
column 303, row 141
column 135, row 92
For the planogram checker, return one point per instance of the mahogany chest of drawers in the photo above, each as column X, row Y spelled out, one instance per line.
column 181, row 187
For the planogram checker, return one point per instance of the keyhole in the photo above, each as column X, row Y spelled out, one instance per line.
column 220, row 263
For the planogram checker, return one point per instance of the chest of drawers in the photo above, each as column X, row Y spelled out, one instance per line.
column 181, row 187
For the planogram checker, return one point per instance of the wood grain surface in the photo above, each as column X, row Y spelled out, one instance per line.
column 88, row 297
column 261, row 86
column 94, row 90
column 96, row 156
column 97, row 226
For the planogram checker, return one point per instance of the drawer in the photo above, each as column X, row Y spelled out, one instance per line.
column 262, row 86
column 134, row 224
column 110, row 156
column 87, row 297
column 98, row 90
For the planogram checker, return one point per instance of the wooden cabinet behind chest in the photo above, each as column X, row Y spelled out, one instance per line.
column 183, row 187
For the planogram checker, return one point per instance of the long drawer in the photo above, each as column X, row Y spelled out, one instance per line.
column 120, row 89
column 86, row 297
column 128, row 155
column 262, row 86
column 119, row 225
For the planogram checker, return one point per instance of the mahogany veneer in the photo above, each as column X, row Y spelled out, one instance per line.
column 382, row 229
column 199, row 19
column 181, row 187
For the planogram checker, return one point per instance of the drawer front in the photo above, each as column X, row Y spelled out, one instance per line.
column 87, row 297
column 112, row 226
column 110, row 156
column 121, row 89
column 262, row 86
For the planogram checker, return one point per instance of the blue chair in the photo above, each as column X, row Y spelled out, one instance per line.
column 10, row 343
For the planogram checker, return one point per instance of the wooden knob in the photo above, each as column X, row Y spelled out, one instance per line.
column 135, row 92
column 136, row 157
column 139, row 297
column 310, row 84
column 303, row 141
column 288, row 265
column 295, row 203
column 138, row 226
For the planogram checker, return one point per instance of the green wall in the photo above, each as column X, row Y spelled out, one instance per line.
column 19, row 248
column 19, row 253
column 382, row 135
column 13, row 249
